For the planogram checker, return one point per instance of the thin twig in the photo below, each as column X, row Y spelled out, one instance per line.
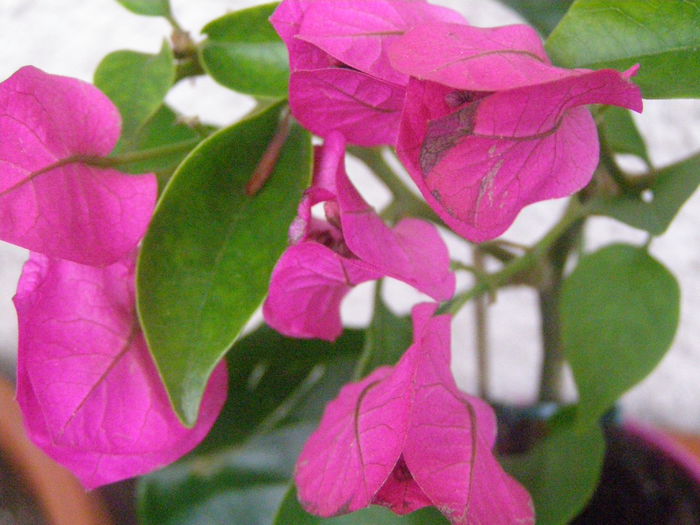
column 481, row 335
column 553, row 359
column 493, row 281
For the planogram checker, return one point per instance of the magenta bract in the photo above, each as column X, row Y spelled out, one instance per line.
column 358, row 33
column 308, row 285
column 352, row 246
column 341, row 76
column 52, row 200
column 475, row 58
column 405, row 437
column 90, row 393
column 490, row 126
column 337, row 99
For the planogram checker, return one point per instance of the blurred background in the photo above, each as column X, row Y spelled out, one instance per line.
column 70, row 37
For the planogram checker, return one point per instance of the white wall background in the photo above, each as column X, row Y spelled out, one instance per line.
column 69, row 37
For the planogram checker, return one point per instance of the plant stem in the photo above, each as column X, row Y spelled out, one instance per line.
column 174, row 23
column 553, row 355
column 147, row 154
column 188, row 67
column 549, row 296
column 405, row 201
column 530, row 258
column 481, row 335
column 362, row 366
column 608, row 161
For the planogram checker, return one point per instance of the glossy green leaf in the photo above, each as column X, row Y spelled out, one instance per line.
column 388, row 337
column 291, row 512
column 137, row 84
column 206, row 261
column 621, row 133
column 276, row 380
column 544, row 15
column 661, row 35
column 242, row 486
column 562, row 471
column 619, row 313
column 243, row 52
column 278, row 388
column 166, row 137
column 654, row 210
column 147, row 7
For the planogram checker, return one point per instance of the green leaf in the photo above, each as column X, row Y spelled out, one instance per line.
column 544, row 15
column 244, row 486
column 562, row 471
column 148, row 7
column 388, row 337
column 137, row 84
column 619, row 313
column 276, row 380
column 290, row 512
column 243, row 52
column 671, row 188
column 278, row 388
column 206, row 261
column 661, row 35
column 621, row 133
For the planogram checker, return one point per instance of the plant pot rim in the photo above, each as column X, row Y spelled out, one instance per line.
column 663, row 442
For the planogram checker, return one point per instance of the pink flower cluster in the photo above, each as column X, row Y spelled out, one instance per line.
column 485, row 125
column 482, row 120
column 351, row 246
column 406, row 437
column 90, row 393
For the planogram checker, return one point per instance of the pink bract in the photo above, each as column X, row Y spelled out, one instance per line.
column 90, row 393
column 489, row 126
column 52, row 200
column 341, row 76
column 307, row 287
column 475, row 58
column 352, row 246
column 405, row 437
column 358, row 33
column 364, row 109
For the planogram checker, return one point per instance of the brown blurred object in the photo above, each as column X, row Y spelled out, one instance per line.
column 689, row 441
column 62, row 499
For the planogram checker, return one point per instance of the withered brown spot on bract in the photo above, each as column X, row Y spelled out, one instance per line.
column 444, row 133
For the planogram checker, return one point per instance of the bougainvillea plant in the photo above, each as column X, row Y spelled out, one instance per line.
column 155, row 239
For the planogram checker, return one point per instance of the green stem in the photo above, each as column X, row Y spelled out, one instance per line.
column 633, row 184
column 185, row 50
column 147, row 154
column 529, row 259
column 497, row 251
column 549, row 296
column 188, row 67
column 553, row 355
column 608, row 162
column 362, row 366
column 405, row 201
column 481, row 335
column 174, row 23
column 459, row 265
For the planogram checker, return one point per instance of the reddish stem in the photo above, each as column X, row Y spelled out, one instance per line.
column 269, row 159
